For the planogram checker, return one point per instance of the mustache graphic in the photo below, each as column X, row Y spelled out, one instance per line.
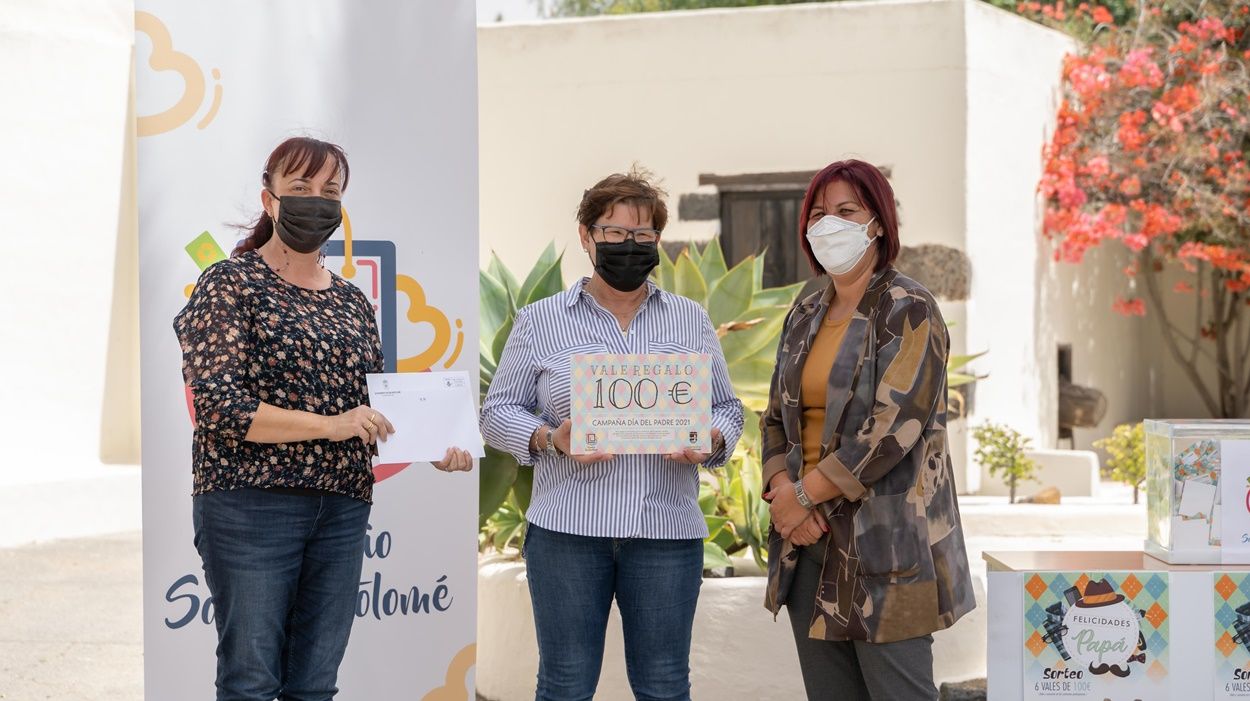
column 1117, row 670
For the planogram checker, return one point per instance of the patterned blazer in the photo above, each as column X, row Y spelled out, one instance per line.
column 895, row 565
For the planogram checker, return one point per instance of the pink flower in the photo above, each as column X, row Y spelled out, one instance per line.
column 1135, row 306
column 1089, row 79
column 1166, row 115
column 1099, row 167
column 1140, row 71
column 1136, row 242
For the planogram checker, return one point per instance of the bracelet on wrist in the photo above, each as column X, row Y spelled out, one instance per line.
column 551, row 449
column 801, row 495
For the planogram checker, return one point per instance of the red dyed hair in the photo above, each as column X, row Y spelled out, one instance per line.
column 873, row 192
column 299, row 153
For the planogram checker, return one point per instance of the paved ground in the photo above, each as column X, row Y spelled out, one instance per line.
column 71, row 620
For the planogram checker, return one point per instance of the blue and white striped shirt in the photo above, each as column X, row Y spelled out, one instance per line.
column 629, row 496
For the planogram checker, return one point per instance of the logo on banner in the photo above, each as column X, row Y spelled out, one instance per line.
column 166, row 58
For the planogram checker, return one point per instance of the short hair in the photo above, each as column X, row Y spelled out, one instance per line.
column 874, row 193
column 633, row 188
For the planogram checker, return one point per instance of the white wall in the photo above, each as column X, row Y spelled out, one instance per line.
column 1110, row 351
column 767, row 89
column 64, row 68
column 1013, row 72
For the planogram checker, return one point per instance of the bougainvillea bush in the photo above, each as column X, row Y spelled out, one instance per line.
column 1150, row 153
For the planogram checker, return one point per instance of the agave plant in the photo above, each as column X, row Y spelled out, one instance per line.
column 958, row 376
column 736, row 514
column 748, row 319
column 502, row 480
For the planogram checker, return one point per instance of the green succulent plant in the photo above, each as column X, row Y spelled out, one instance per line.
column 502, row 479
column 737, row 515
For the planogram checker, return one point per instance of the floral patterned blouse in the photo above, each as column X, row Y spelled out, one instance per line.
column 247, row 337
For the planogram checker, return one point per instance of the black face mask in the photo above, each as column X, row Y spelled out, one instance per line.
column 306, row 223
column 626, row 265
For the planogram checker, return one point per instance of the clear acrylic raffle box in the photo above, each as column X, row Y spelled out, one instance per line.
column 1198, row 491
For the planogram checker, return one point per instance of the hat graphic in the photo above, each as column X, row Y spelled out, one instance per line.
column 1097, row 594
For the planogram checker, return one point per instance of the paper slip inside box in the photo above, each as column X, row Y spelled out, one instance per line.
column 1197, row 499
column 1190, row 534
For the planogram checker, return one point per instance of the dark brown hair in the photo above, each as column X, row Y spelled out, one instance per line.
column 303, row 154
column 634, row 189
column 874, row 193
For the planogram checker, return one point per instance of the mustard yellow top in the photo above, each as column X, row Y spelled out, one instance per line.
column 814, row 386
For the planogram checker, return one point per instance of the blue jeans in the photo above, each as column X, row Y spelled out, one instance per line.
column 572, row 581
column 284, row 570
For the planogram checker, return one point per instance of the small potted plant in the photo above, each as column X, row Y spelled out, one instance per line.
column 1002, row 450
column 1126, row 461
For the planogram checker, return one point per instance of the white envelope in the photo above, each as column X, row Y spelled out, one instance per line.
column 1196, row 499
column 431, row 412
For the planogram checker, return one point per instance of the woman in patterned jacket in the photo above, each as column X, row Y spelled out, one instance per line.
column 867, row 552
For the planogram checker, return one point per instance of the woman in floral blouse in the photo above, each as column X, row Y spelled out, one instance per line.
column 275, row 351
column 867, row 552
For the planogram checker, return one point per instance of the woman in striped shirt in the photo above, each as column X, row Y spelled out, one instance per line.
column 604, row 527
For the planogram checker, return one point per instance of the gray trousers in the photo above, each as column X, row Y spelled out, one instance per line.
column 854, row 670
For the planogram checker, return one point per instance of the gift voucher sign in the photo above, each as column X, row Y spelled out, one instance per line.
column 640, row 403
column 1232, row 635
column 1096, row 635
